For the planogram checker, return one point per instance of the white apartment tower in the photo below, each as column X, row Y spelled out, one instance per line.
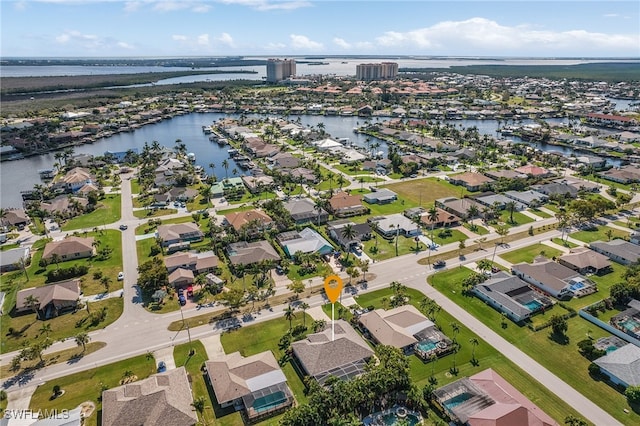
column 381, row 71
column 280, row 69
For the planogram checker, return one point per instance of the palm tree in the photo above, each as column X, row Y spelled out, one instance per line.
column 303, row 307
column 105, row 281
column 289, row 315
column 82, row 339
column 484, row 265
column 33, row 303
column 225, row 166
column 474, row 342
column 511, row 206
column 432, row 216
column 55, row 258
column 461, row 246
column 609, row 234
column 472, row 212
column 503, row 231
column 212, row 166
column 348, row 233
column 455, row 329
column 364, row 267
column 45, row 329
column 198, row 404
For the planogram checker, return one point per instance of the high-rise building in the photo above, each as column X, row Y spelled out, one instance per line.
column 280, row 69
column 381, row 71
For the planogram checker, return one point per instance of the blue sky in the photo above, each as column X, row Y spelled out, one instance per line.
column 73, row 28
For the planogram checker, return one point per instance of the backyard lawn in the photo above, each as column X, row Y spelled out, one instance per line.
column 108, row 211
column 599, row 234
column 87, row 386
column 198, row 384
column 518, row 218
column 480, row 230
column 486, row 355
column 566, row 361
column 527, row 254
column 423, row 192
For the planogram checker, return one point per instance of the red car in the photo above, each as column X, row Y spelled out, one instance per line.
column 190, row 291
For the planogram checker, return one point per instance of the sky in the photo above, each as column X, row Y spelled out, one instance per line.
column 156, row 28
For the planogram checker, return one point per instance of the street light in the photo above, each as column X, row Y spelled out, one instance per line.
column 188, row 331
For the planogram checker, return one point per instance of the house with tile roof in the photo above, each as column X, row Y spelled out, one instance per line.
column 70, row 248
column 163, row 398
column 319, row 356
column 255, row 384
column 554, row 279
column 343, row 205
column 179, row 233
column 622, row 366
column 303, row 211
column 305, row 241
column 473, row 181
column 244, row 253
column 51, row 300
column 618, row 250
column 586, row 261
column 238, row 220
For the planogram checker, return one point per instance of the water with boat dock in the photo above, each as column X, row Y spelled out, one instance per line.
column 22, row 175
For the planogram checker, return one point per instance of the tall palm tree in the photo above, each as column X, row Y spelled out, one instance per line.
column 511, row 206
column 225, row 166
column 474, row 342
column 45, row 329
column 472, row 212
column 364, row 267
column 432, row 216
column 289, row 315
column 348, row 233
column 303, row 307
column 33, row 303
column 82, row 339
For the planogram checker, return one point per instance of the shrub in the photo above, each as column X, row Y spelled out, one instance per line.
column 66, row 273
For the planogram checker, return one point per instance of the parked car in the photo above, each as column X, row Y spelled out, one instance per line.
column 162, row 367
column 182, row 300
column 123, row 227
column 120, row 276
column 439, row 264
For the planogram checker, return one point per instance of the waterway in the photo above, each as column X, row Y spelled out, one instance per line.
column 21, row 175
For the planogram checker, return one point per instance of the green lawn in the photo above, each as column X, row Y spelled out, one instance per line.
column 322, row 269
column 564, row 243
column 455, row 237
column 340, row 311
column 349, row 169
column 198, row 384
column 480, row 230
column 527, row 254
column 565, row 361
column 27, row 326
column 265, row 336
column 599, row 234
column 149, row 213
column 380, row 248
column 397, row 206
column 9, row 246
column 423, row 192
column 604, row 283
column 87, row 386
column 540, row 213
column 108, row 211
column 486, row 355
column 518, row 218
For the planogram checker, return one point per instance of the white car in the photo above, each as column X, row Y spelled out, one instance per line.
column 120, row 276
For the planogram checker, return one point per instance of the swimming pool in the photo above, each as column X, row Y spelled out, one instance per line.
column 457, row 400
column 426, row 345
column 576, row 286
column 268, row 402
column 391, row 419
column 533, row 306
column 629, row 325
column 611, row 349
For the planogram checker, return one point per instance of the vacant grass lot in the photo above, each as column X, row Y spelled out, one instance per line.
column 599, row 234
column 563, row 360
column 108, row 211
column 27, row 326
column 198, row 385
column 527, row 254
column 486, row 355
column 423, row 192
column 149, row 213
column 380, row 248
column 540, row 213
column 87, row 386
column 518, row 218
column 564, row 243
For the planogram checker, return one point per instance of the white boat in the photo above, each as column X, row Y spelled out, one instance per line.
column 191, row 157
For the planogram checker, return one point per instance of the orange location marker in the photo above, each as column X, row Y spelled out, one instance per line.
column 333, row 287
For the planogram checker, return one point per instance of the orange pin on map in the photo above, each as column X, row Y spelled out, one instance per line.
column 333, row 287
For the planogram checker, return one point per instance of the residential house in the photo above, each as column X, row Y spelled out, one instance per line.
column 181, row 193
column 444, row 219
column 471, row 180
column 255, row 384
column 76, row 178
column 344, row 205
column 301, row 174
column 52, row 299
column 619, row 251
column 533, row 171
column 305, row 241
column 557, row 189
column 380, row 196
column 68, row 249
column 163, row 398
column 361, row 232
column 244, row 253
column 504, row 174
column 257, row 184
column 181, row 278
column 395, row 224
column 622, row 366
column 241, row 220
column 586, row 261
column 284, row 160
column 487, row 399
column 581, row 184
column 527, row 197
column 554, row 279
column 320, row 356
column 459, row 207
column 64, row 205
column 10, row 260
column 179, row 235
column 17, row 217
column 625, row 174
column 198, row 262
column 402, row 327
column 512, row 296
column 499, row 201
column 304, row 210
column 326, row 144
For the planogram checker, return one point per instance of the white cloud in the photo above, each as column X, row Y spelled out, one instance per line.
column 610, row 15
column 124, row 45
column 301, row 42
column 179, row 37
column 488, row 37
column 269, row 5
column 203, row 39
column 73, row 40
column 225, row 38
column 275, row 46
column 20, row 5
column 340, row 42
column 76, row 36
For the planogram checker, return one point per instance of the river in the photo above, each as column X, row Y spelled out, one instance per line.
column 21, row 175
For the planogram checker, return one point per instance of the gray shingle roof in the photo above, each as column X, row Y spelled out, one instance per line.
column 624, row 363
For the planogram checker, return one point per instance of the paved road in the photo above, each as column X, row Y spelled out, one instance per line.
column 138, row 331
